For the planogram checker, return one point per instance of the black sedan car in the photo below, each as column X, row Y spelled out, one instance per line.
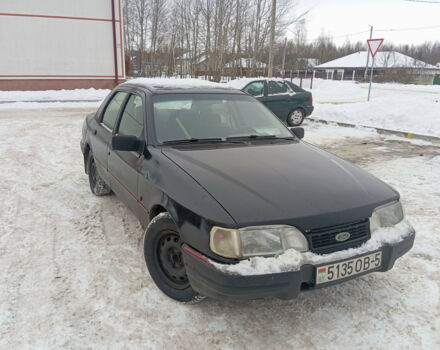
column 220, row 183
column 286, row 100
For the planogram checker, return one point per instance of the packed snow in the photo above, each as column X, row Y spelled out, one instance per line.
column 292, row 260
column 73, row 276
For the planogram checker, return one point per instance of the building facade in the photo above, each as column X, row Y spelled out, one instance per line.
column 61, row 44
column 388, row 66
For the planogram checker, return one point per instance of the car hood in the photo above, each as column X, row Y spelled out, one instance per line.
column 294, row 183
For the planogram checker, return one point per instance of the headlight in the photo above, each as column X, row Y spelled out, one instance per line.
column 386, row 215
column 256, row 241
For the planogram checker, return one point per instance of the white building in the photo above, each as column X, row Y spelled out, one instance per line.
column 353, row 65
column 61, row 44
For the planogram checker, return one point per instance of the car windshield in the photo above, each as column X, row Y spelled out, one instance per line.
column 209, row 117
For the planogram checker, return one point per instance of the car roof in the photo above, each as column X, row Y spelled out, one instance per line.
column 173, row 86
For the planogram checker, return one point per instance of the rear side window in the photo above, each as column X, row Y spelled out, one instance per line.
column 111, row 112
column 132, row 121
column 276, row 87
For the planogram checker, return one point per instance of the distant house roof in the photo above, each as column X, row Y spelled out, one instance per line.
column 245, row 63
column 383, row 59
column 187, row 56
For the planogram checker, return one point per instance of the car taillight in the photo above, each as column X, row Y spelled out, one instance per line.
column 311, row 98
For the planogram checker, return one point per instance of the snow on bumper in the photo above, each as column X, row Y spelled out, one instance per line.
column 286, row 275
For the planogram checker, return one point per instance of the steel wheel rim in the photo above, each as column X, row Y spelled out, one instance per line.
column 296, row 116
column 170, row 258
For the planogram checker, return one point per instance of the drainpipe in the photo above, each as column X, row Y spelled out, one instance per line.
column 115, row 49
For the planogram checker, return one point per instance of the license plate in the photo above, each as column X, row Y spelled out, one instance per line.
column 347, row 268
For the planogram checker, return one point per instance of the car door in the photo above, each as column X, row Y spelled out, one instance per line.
column 125, row 166
column 278, row 98
column 103, row 132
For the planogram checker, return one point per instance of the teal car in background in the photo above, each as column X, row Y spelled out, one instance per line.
column 287, row 101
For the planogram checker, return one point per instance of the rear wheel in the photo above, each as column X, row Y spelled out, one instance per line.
column 296, row 117
column 164, row 258
column 97, row 184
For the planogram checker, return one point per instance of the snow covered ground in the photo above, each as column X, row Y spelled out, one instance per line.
column 407, row 108
column 72, row 273
column 52, row 98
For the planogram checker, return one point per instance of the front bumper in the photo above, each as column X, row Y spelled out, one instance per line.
column 209, row 281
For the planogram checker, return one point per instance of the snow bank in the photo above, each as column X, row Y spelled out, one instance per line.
column 400, row 107
column 54, row 95
column 292, row 260
column 400, row 112
column 174, row 82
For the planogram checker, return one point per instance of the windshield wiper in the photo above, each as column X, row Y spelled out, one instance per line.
column 195, row 140
column 258, row 137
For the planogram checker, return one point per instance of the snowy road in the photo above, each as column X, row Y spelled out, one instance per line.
column 72, row 273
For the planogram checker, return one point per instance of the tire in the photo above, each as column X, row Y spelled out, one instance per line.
column 164, row 258
column 296, row 117
column 97, row 184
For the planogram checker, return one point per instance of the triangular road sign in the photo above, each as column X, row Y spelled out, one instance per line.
column 374, row 45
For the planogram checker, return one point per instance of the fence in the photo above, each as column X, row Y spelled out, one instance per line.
column 305, row 77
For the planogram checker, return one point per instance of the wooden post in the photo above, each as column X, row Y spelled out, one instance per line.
column 272, row 38
column 342, row 77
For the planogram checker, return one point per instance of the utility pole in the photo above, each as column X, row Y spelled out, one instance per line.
column 368, row 52
column 284, row 55
column 272, row 38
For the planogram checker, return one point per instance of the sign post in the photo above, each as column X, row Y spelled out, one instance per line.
column 373, row 45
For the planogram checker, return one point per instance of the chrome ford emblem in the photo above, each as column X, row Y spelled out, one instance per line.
column 342, row 236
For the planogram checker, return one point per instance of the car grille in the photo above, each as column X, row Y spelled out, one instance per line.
column 323, row 240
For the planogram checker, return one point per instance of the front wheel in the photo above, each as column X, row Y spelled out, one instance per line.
column 296, row 117
column 164, row 258
column 97, row 184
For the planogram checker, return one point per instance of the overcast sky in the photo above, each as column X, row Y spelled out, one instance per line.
column 340, row 17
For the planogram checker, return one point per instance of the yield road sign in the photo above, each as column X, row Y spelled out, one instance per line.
column 374, row 45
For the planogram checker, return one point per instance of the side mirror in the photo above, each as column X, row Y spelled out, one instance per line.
column 125, row 143
column 298, row 132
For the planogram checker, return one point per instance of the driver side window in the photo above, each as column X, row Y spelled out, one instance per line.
column 255, row 89
column 112, row 110
column 132, row 120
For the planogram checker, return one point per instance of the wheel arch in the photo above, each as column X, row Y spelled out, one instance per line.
column 156, row 210
column 296, row 107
